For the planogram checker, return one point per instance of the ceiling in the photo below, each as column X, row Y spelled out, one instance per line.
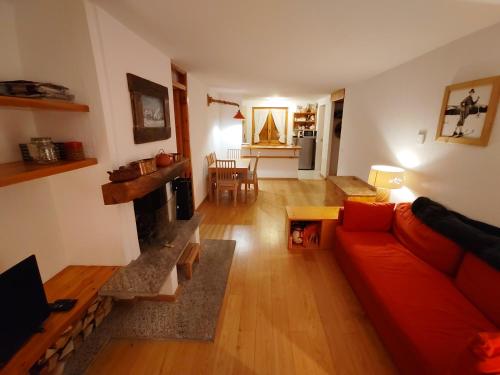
column 298, row 47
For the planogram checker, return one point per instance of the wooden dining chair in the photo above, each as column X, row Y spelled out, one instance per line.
column 233, row 153
column 227, row 178
column 251, row 178
column 211, row 178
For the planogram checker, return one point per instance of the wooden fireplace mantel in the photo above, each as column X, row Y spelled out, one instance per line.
column 123, row 192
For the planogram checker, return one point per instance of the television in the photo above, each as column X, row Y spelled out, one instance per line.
column 24, row 306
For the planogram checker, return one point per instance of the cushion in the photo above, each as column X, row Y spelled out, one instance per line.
column 481, row 357
column 367, row 217
column 423, row 318
column 480, row 283
column 430, row 246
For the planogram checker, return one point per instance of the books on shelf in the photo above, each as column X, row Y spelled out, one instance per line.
column 31, row 89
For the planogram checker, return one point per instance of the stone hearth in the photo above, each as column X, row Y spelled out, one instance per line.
column 154, row 272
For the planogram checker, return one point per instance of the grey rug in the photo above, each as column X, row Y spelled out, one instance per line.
column 193, row 316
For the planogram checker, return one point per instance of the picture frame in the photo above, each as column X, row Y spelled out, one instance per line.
column 274, row 137
column 468, row 112
column 150, row 110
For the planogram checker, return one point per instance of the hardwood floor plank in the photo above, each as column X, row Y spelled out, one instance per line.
column 284, row 312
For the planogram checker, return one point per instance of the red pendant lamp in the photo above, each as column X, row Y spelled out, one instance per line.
column 239, row 115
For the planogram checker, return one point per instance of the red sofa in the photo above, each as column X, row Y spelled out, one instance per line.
column 426, row 298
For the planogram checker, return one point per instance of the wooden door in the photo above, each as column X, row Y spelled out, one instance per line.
column 181, row 114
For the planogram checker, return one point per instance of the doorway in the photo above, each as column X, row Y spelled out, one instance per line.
column 336, row 130
column 319, row 136
column 179, row 83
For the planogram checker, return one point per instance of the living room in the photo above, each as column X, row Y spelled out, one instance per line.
column 273, row 310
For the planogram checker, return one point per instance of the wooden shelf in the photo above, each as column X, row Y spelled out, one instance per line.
column 324, row 216
column 42, row 104
column 123, row 192
column 20, row 171
column 80, row 282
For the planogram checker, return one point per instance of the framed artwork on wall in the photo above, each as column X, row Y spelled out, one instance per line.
column 150, row 110
column 468, row 112
column 269, row 125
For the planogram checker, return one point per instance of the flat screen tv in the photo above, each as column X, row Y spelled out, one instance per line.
column 24, row 306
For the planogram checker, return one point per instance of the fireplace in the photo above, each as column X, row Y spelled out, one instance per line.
column 155, row 218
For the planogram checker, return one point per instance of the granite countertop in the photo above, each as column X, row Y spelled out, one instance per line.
column 145, row 276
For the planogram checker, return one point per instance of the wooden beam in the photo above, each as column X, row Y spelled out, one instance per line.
column 338, row 95
column 123, row 192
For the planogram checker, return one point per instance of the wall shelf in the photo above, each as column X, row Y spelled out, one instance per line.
column 42, row 104
column 20, row 171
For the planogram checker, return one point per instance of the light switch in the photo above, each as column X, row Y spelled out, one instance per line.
column 421, row 136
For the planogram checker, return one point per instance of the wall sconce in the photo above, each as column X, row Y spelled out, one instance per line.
column 238, row 115
column 385, row 178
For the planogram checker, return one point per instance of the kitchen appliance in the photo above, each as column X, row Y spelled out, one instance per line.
column 24, row 307
column 307, row 140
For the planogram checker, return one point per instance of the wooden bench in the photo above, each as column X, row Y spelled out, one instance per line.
column 80, row 282
column 190, row 255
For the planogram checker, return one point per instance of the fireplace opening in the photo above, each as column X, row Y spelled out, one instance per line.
column 155, row 219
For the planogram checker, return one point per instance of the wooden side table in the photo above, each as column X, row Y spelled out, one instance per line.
column 352, row 188
column 318, row 223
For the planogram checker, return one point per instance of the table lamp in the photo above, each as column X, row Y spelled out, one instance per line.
column 385, row 178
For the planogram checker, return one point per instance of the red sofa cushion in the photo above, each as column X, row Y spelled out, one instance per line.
column 480, row 283
column 371, row 217
column 422, row 317
column 481, row 357
column 432, row 247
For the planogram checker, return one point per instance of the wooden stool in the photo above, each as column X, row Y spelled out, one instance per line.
column 189, row 256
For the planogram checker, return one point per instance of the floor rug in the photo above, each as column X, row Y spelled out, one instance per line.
column 193, row 316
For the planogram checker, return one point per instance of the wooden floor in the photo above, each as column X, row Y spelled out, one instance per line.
column 283, row 313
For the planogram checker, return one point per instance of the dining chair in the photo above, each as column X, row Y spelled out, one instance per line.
column 211, row 178
column 227, row 178
column 233, row 153
column 251, row 178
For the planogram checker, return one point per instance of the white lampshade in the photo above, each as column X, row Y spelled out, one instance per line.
column 386, row 177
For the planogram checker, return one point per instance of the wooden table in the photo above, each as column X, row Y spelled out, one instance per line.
column 242, row 167
column 352, row 188
column 80, row 282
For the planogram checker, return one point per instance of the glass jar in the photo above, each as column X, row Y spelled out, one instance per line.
column 42, row 150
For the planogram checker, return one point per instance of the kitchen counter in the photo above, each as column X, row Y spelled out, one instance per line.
column 280, row 161
column 269, row 147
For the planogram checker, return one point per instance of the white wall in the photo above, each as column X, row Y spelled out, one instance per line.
column 28, row 218
column 62, row 218
column 325, row 136
column 203, row 127
column 383, row 115
column 119, row 51
column 83, row 221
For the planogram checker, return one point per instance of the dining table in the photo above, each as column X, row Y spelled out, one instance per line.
column 242, row 167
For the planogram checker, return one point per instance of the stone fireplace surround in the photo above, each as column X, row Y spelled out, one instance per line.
column 154, row 272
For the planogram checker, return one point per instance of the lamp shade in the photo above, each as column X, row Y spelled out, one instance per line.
column 386, row 177
column 239, row 115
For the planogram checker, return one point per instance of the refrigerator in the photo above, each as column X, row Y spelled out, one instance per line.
column 308, row 152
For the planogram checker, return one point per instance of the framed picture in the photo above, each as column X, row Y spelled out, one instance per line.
column 150, row 110
column 269, row 125
column 468, row 112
